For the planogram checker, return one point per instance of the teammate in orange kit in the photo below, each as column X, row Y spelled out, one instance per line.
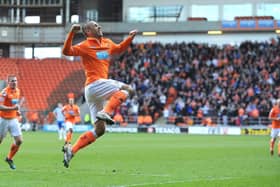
column 95, row 53
column 9, row 111
column 70, row 111
column 274, row 115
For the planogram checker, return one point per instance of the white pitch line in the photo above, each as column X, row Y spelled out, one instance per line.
column 175, row 181
column 150, row 175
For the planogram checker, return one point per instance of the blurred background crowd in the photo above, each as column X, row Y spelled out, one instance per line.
column 231, row 84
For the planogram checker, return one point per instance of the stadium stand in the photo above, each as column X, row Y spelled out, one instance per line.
column 44, row 82
column 186, row 80
column 197, row 19
column 237, row 79
column 207, row 81
column 7, row 67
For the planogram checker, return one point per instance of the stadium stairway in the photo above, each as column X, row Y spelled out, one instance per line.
column 72, row 83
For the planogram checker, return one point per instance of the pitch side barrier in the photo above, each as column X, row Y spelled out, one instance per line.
column 172, row 129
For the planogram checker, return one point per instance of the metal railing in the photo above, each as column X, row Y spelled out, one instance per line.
column 219, row 120
column 45, row 117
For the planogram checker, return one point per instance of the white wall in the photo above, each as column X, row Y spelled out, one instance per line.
column 185, row 2
column 186, row 12
column 232, row 38
column 129, row 3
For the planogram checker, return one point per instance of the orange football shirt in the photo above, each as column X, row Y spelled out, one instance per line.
column 274, row 113
column 70, row 112
column 95, row 55
column 9, row 97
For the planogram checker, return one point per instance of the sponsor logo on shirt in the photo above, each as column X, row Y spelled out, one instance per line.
column 14, row 101
column 102, row 55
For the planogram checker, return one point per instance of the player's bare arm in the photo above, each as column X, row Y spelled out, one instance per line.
column 121, row 47
column 67, row 48
column 276, row 118
column 7, row 108
column 133, row 33
column 75, row 28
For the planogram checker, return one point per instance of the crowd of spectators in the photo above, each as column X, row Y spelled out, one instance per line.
column 232, row 84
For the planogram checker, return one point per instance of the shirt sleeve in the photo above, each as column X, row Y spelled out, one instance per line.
column 69, row 49
column 2, row 97
column 63, row 110
column 77, row 110
column 271, row 113
column 121, row 47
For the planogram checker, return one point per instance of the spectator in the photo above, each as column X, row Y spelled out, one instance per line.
column 232, row 76
column 60, row 121
column 118, row 118
column 87, row 119
column 34, row 120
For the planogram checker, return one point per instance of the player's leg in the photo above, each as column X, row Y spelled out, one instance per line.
column 95, row 104
column 116, row 92
column 59, row 133
column 63, row 130
column 115, row 100
column 278, row 136
column 95, row 96
column 89, row 137
column 69, row 136
column 99, row 126
column 273, row 135
column 3, row 129
column 59, row 130
column 66, row 148
column 69, row 132
column 84, row 140
column 271, row 146
column 14, row 128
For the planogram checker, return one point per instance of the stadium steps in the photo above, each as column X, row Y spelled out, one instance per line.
column 72, row 83
column 39, row 78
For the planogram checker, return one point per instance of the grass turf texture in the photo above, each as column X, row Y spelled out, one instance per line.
column 127, row 160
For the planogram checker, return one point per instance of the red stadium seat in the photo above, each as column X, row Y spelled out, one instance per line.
column 44, row 82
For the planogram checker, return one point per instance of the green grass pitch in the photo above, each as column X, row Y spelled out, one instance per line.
column 135, row 160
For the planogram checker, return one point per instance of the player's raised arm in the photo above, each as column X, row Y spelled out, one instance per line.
column 273, row 115
column 120, row 48
column 67, row 48
column 8, row 108
column 133, row 33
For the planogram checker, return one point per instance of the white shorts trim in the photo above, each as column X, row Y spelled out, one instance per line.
column 11, row 125
column 98, row 92
column 68, row 125
column 275, row 133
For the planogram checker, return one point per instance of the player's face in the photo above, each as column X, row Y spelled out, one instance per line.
column 71, row 101
column 94, row 29
column 12, row 81
column 278, row 103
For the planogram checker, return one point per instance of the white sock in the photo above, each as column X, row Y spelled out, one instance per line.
column 60, row 134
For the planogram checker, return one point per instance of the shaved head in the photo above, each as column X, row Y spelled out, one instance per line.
column 92, row 29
